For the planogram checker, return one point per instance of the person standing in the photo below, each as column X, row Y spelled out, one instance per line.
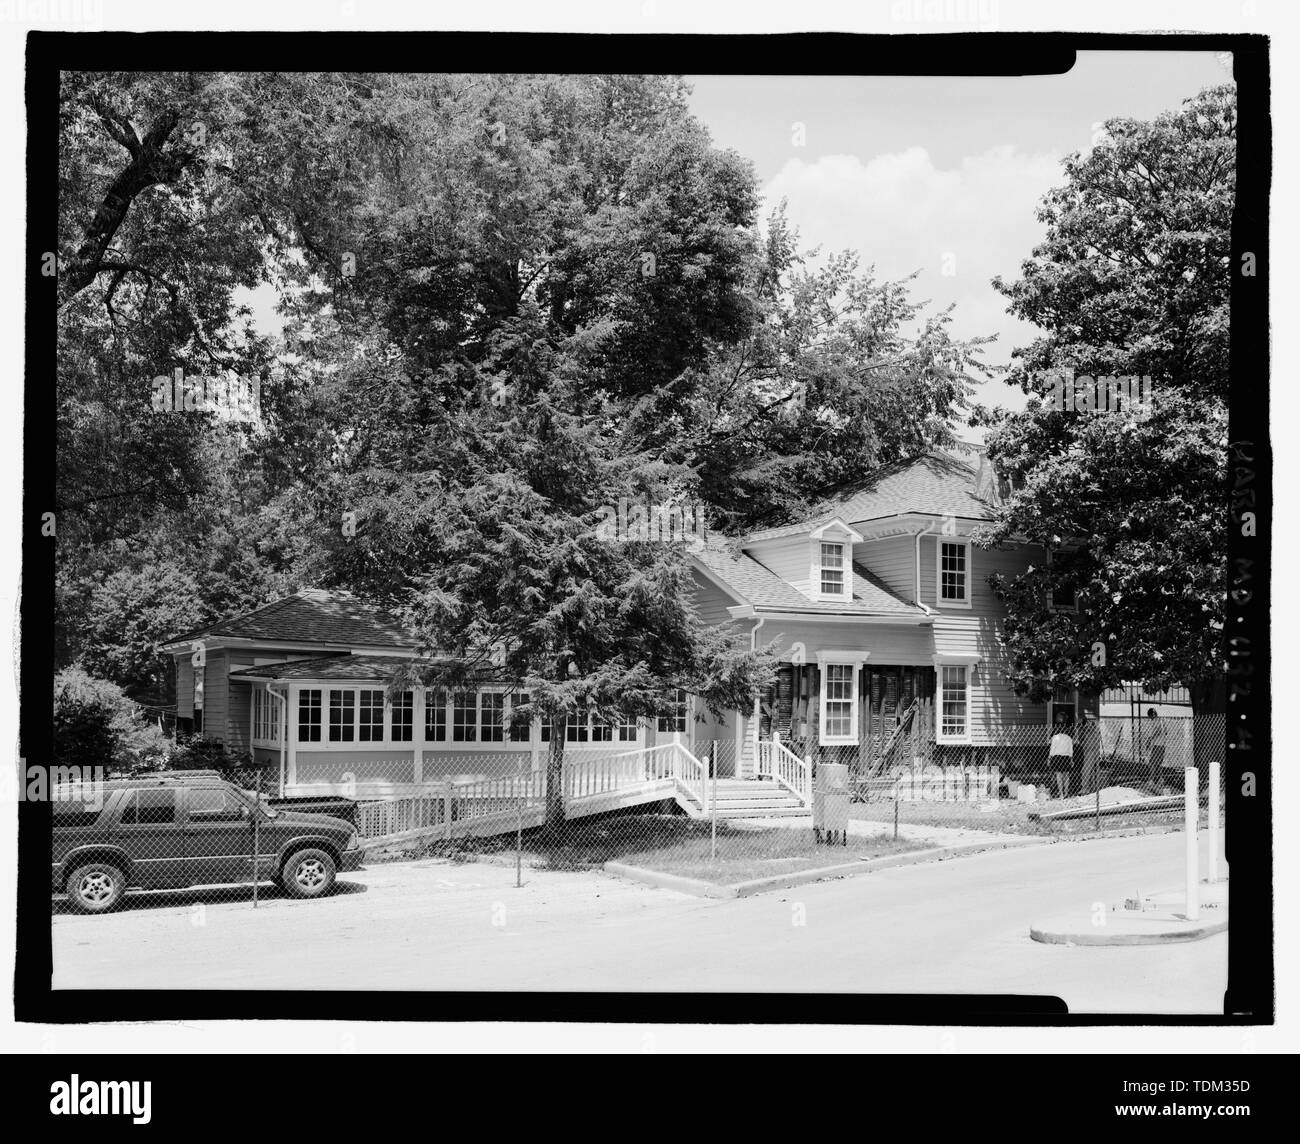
column 1062, row 755
column 1155, row 744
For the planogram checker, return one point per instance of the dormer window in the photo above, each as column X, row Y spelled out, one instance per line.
column 832, row 580
column 830, row 575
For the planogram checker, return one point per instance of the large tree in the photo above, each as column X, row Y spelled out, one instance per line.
column 1129, row 506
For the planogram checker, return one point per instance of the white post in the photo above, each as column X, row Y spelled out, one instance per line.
column 1191, row 812
column 1213, row 875
column 713, row 803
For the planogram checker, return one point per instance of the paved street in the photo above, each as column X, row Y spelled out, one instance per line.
column 955, row 926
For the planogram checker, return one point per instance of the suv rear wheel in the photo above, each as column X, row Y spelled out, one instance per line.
column 96, row 887
column 308, row 874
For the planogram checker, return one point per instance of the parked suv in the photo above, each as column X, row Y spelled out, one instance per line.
column 176, row 830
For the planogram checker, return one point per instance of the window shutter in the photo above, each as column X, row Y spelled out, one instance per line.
column 785, row 683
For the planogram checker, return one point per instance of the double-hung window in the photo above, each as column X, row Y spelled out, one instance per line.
column 435, row 716
column 953, row 709
column 343, row 715
column 954, row 573
column 370, row 717
column 266, row 717
column 830, row 575
column 309, row 712
column 464, row 717
column 492, row 717
column 832, row 569
column 677, row 720
column 838, row 723
column 837, row 703
column 520, row 732
column 403, row 717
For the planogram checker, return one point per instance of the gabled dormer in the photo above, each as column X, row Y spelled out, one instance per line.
column 830, row 561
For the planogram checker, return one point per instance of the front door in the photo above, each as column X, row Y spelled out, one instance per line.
column 218, row 837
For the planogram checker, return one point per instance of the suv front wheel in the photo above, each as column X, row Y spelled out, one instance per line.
column 308, row 874
column 96, row 887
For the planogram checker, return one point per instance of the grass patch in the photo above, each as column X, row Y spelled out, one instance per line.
column 671, row 843
column 1008, row 817
column 743, row 855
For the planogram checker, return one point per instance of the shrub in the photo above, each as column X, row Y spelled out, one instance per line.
column 96, row 725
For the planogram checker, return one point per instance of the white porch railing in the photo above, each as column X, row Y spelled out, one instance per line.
column 446, row 804
column 599, row 773
column 777, row 762
column 689, row 774
column 450, row 808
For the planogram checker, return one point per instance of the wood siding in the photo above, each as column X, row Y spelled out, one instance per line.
column 893, row 560
column 974, row 631
column 790, row 558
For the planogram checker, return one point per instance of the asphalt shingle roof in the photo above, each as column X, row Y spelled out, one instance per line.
column 938, row 484
column 361, row 668
column 313, row 615
column 757, row 584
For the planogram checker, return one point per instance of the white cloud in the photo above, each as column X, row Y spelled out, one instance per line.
column 902, row 214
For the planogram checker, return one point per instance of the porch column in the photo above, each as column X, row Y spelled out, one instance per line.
column 291, row 729
column 417, row 733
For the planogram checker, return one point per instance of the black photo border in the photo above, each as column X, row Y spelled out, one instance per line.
column 1250, row 996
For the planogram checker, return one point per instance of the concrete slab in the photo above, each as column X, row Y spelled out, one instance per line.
column 1149, row 919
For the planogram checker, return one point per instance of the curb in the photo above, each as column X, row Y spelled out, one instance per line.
column 702, row 889
column 1168, row 937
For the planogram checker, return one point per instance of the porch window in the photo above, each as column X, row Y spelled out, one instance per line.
column 343, row 715
column 601, row 732
column 627, row 729
column 832, row 569
column 677, row 720
column 954, row 703
column 575, row 729
column 839, row 704
column 370, row 725
column 492, row 712
column 309, row 710
column 435, row 716
column 520, row 732
column 404, row 717
column 954, row 573
column 464, row 717
column 266, row 717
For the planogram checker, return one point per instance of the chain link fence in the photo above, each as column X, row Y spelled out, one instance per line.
column 724, row 810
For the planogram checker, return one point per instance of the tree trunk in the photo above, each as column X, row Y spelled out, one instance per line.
column 555, row 818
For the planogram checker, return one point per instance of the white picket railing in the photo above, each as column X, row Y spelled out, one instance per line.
column 777, row 762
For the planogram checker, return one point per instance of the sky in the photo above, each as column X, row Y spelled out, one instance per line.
column 937, row 174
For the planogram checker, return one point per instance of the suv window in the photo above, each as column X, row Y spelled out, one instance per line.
column 72, row 812
column 212, row 804
column 150, row 808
